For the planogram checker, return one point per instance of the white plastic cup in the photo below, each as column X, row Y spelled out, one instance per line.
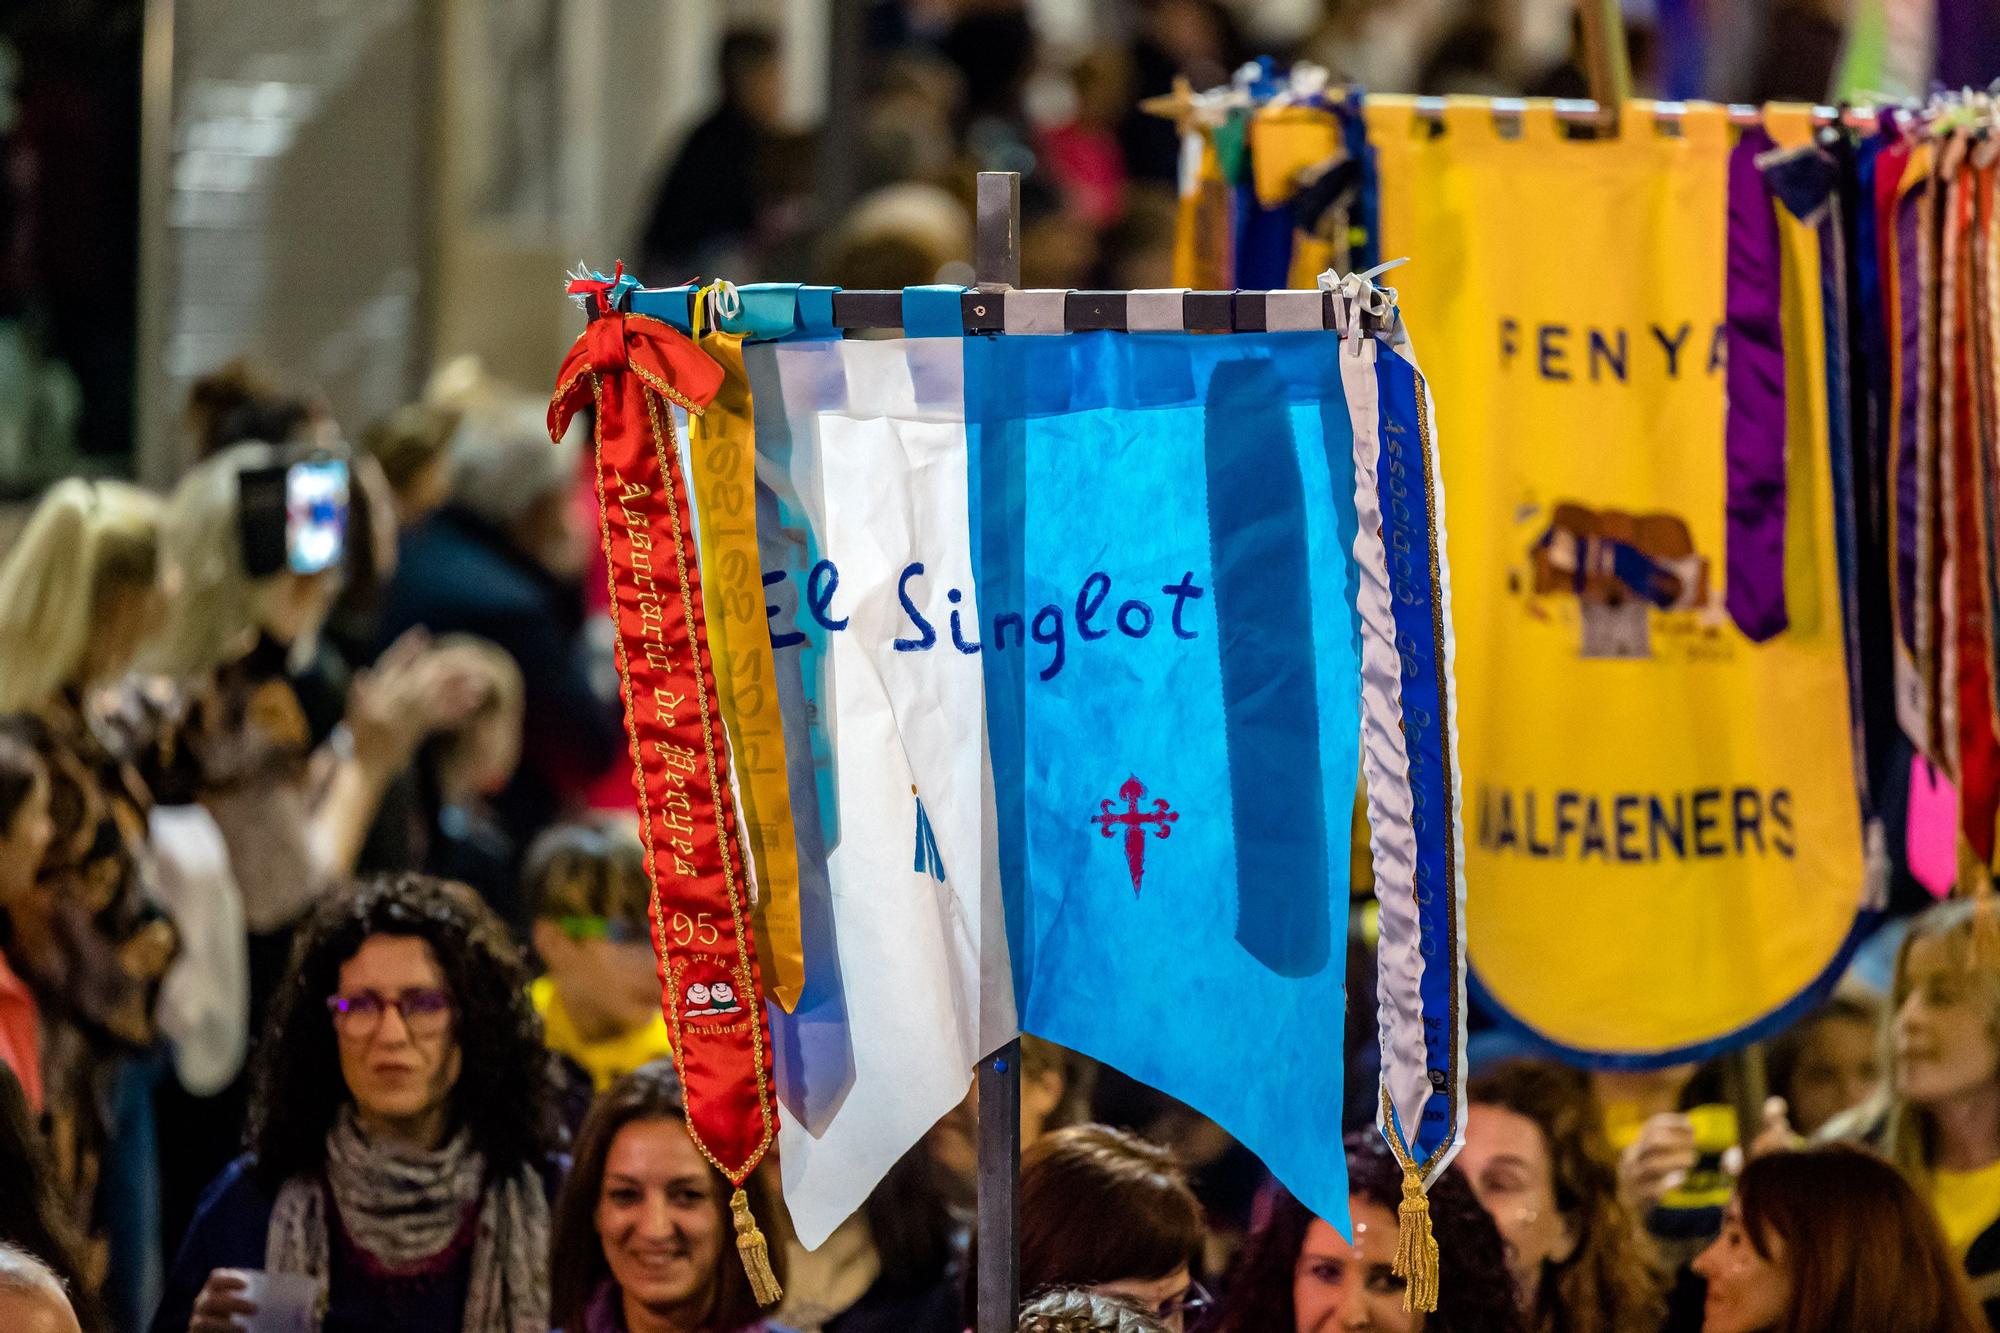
column 286, row 1302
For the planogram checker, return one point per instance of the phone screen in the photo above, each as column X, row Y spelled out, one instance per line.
column 315, row 514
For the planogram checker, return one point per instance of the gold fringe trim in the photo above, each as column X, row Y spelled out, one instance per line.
column 1416, row 1248
column 756, row 1253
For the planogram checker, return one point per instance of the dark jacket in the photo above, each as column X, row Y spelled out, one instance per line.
column 459, row 575
column 888, row 1308
column 229, row 1229
column 607, row 1314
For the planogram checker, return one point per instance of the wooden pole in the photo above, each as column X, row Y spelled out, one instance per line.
column 158, row 456
column 839, row 157
column 996, row 260
column 997, row 267
column 1606, row 61
column 1746, row 1081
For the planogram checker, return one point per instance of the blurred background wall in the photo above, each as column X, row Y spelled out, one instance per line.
column 353, row 191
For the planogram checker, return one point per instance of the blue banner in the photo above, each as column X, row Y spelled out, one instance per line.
column 1161, row 527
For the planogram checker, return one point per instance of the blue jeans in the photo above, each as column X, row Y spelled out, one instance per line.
column 128, row 1198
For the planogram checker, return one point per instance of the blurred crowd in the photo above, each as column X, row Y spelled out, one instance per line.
column 323, row 920
column 325, row 978
column 952, row 87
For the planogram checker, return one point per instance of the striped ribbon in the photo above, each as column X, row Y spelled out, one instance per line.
column 1410, row 760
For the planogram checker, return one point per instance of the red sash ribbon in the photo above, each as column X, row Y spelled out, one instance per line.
column 629, row 368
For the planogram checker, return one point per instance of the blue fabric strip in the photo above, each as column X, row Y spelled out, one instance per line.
column 766, row 312
column 770, row 311
column 668, row 303
column 1263, row 242
column 1364, row 221
column 816, row 312
column 933, row 311
column 1868, row 430
column 996, row 495
column 1257, row 543
column 1410, row 539
column 1807, row 182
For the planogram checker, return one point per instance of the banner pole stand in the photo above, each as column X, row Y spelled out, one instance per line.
column 997, row 267
column 1607, row 63
column 1746, row 1083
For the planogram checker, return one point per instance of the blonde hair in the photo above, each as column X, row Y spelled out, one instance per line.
column 410, row 439
column 1910, row 1138
column 85, row 540
column 505, row 697
column 217, row 603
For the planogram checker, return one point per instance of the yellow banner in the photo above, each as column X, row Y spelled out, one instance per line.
column 723, row 453
column 1204, row 249
column 1663, row 837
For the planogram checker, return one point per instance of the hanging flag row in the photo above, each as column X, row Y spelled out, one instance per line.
column 1722, row 387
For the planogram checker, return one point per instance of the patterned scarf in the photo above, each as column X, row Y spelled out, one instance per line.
column 402, row 1207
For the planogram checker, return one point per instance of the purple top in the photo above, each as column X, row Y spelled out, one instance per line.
column 607, row 1315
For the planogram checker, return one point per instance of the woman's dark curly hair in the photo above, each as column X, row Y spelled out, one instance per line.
column 503, row 1096
column 1608, row 1283
column 1475, row 1292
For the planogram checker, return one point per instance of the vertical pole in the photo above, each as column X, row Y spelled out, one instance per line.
column 1744, row 1078
column 840, row 147
column 999, row 1188
column 157, row 457
column 996, row 259
column 997, row 266
column 1606, row 61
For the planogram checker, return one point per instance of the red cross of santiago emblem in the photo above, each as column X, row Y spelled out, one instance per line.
column 1110, row 821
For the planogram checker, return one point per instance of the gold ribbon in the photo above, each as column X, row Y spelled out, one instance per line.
column 723, row 452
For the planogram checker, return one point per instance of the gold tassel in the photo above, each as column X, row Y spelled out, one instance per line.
column 1416, row 1248
column 756, row 1254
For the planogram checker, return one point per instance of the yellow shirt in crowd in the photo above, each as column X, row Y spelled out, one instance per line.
column 1967, row 1202
column 605, row 1061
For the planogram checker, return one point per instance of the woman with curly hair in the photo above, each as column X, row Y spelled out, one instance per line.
column 643, row 1238
column 1536, row 1156
column 400, row 1133
column 1296, row 1274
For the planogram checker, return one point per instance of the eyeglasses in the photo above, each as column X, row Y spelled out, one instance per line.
column 1188, row 1307
column 425, row 1011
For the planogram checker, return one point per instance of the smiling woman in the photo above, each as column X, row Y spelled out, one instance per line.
column 642, row 1237
column 1299, row 1275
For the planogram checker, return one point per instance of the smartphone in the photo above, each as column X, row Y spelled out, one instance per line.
column 293, row 517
